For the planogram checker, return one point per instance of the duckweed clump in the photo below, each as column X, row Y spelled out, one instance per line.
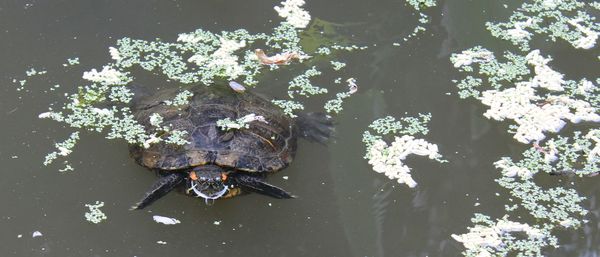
column 62, row 148
column 388, row 159
column 563, row 155
column 540, row 101
column 301, row 85
column 504, row 237
column 241, row 123
column 289, row 107
column 180, row 99
column 95, row 215
column 420, row 6
column 554, row 207
column 71, row 62
column 337, row 65
column 335, row 105
column 565, row 19
column 526, row 90
column 197, row 57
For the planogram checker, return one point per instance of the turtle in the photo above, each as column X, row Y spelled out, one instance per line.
column 218, row 163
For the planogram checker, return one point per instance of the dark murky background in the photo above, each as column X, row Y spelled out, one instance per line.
column 344, row 209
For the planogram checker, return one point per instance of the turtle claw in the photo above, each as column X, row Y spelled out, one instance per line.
column 257, row 185
column 159, row 189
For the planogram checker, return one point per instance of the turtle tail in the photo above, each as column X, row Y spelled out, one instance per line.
column 159, row 189
column 315, row 126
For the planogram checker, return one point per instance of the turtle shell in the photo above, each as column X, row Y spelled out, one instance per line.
column 263, row 147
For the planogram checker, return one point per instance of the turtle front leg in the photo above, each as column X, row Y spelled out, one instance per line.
column 159, row 189
column 258, row 185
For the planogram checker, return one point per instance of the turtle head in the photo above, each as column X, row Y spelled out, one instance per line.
column 208, row 182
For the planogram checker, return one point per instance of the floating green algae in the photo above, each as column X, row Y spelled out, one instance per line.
column 289, row 107
column 241, row 123
column 569, row 20
column 419, row 6
column 301, row 84
column 577, row 154
column 197, row 57
column 72, row 62
column 503, row 237
column 388, row 159
column 527, row 90
column 95, row 215
column 335, row 105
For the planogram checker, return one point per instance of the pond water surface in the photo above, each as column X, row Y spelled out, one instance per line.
column 343, row 208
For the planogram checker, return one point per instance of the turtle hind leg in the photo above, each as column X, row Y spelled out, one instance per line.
column 159, row 189
column 257, row 185
column 315, row 126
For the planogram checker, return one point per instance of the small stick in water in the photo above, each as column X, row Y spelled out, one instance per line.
column 278, row 59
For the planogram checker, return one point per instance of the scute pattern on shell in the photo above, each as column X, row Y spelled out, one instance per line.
column 264, row 147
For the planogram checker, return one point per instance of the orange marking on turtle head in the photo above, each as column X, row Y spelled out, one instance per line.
column 223, row 176
column 193, row 176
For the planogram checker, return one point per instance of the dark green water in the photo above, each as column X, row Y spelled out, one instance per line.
column 343, row 209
